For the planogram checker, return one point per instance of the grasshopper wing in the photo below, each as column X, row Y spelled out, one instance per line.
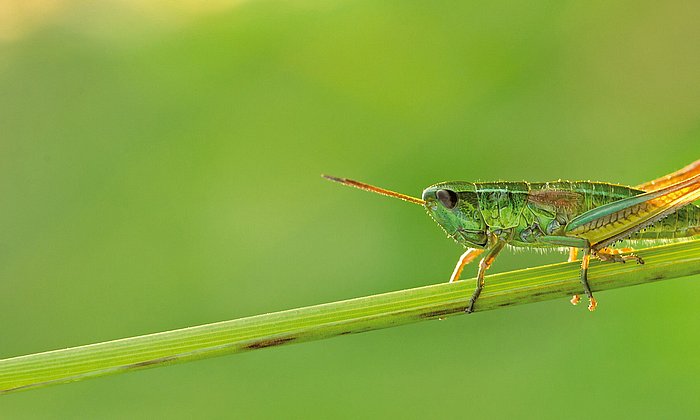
column 614, row 221
column 670, row 179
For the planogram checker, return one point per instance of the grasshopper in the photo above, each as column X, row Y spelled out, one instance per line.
column 484, row 217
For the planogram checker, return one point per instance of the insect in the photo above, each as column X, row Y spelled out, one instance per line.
column 484, row 217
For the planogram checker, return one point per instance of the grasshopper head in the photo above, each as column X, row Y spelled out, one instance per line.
column 454, row 206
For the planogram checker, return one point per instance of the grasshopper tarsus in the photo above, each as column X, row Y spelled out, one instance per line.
column 592, row 304
column 472, row 300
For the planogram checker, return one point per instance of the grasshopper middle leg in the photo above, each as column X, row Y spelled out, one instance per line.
column 496, row 245
column 583, row 244
column 573, row 254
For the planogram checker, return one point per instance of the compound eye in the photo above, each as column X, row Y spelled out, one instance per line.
column 448, row 198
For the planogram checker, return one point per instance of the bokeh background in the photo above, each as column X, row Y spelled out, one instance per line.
column 159, row 168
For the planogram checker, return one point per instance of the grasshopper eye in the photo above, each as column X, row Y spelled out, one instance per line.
column 448, row 198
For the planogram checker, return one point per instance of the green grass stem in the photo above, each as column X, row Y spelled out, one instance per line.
column 556, row 281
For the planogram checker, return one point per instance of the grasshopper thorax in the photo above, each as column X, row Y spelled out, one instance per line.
column 455, row 207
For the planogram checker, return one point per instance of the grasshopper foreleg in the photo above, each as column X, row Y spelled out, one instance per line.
column 468, row 256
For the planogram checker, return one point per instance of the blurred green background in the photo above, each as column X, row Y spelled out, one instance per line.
column 159, row 168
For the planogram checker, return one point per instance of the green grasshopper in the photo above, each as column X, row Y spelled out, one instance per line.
column 590, row 216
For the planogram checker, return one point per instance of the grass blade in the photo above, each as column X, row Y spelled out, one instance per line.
column 339, row 318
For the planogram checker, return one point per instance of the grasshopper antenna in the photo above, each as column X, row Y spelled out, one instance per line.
column 372, row 188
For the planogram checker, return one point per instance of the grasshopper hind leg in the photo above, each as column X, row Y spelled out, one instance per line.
column 615, row 255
